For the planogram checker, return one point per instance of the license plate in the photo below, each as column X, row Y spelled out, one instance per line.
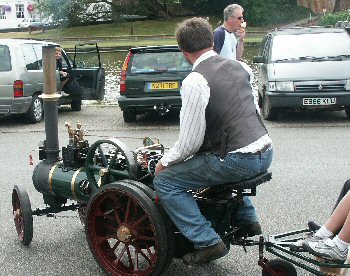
column 319, row 101
column 163, row 85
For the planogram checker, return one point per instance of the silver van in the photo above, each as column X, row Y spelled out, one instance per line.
column 21, row 79
column 304, row 69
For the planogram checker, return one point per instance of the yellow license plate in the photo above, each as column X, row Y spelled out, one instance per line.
column 163, row 85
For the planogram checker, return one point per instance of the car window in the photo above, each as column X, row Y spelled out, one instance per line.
column 38, row 48
column 30, row 58
column 5, row 59
column 85, row 56
column 66, row 61
column 153, row 62
column 316, row 45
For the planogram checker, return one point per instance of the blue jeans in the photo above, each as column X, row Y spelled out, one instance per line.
column 200, row 171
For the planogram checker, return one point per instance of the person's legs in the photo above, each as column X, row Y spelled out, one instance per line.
column 201, row 171
column 343, row 192
column 246, row 213
column 339, row 215
column 336, row 248
column 337, row 219
column 313, row 226
column 63, row 83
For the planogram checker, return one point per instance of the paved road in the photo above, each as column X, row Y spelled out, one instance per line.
column 312, row 159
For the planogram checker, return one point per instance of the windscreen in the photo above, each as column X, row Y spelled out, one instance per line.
column 148, row 62
column 316, row 45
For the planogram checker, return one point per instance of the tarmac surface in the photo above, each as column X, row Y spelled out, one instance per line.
column 311, row 163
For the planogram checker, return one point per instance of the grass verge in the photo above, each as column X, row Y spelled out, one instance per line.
column 124, row 34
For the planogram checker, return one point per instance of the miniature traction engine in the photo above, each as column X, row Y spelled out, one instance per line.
column 126, row 228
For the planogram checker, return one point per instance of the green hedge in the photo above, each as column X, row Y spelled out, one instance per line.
column 332, row 19
column 270, row 14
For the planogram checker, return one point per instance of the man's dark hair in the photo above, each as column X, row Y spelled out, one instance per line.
column 194, row 34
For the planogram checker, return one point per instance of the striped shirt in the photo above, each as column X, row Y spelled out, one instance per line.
column 195, row 94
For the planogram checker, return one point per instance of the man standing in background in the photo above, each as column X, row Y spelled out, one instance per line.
column 229, row 38
column 229, row 43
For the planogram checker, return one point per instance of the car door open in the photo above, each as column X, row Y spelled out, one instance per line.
column 86, row 74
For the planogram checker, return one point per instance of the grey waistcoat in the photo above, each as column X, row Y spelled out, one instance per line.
column 231, row 118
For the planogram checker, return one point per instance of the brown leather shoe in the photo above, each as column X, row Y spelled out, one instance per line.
column 206, row 254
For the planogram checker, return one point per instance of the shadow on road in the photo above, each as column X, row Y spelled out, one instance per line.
column 309, row 117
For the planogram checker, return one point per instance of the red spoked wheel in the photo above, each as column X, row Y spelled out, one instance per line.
column 170, row 227
column 279, row 268
column 125, row 231
column 22, row 215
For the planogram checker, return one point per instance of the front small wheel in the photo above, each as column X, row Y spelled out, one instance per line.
column 22, row 215
column 280, row 268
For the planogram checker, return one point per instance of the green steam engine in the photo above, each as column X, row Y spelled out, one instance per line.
column 128, row 232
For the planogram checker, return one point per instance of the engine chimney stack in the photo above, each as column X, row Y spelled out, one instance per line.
column 50, row 98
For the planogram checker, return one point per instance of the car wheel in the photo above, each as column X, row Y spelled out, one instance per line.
column 35, row 112
column 259, row 100
column 269, row 113
column 76, row 105
column 347, row 111
column 129, row 116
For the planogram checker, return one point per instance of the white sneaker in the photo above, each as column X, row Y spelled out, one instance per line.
column 310, row 237
column 327, row 249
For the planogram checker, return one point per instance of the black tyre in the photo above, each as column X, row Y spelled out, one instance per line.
column 129, row 116
column 268, row 113
column 22, row 215
column 35, row 112
column 259, row 100
column 75, row 105
column 347, row 111
column 125, row 231
column 280, row 268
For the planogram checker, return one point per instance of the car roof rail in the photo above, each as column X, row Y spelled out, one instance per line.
column 154, row 48
column 288, row 28
column 296, row 28
column 325, row 26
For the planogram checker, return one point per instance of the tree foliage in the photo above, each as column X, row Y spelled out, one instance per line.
column 64, row 12
column 333, row 18
column 256, row 12
column 75, row 12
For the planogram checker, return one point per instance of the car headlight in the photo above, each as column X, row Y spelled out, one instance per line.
column 282, row 86
column 347, row 84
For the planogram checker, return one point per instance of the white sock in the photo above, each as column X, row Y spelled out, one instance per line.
column 342, row 245
column 323, row 232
